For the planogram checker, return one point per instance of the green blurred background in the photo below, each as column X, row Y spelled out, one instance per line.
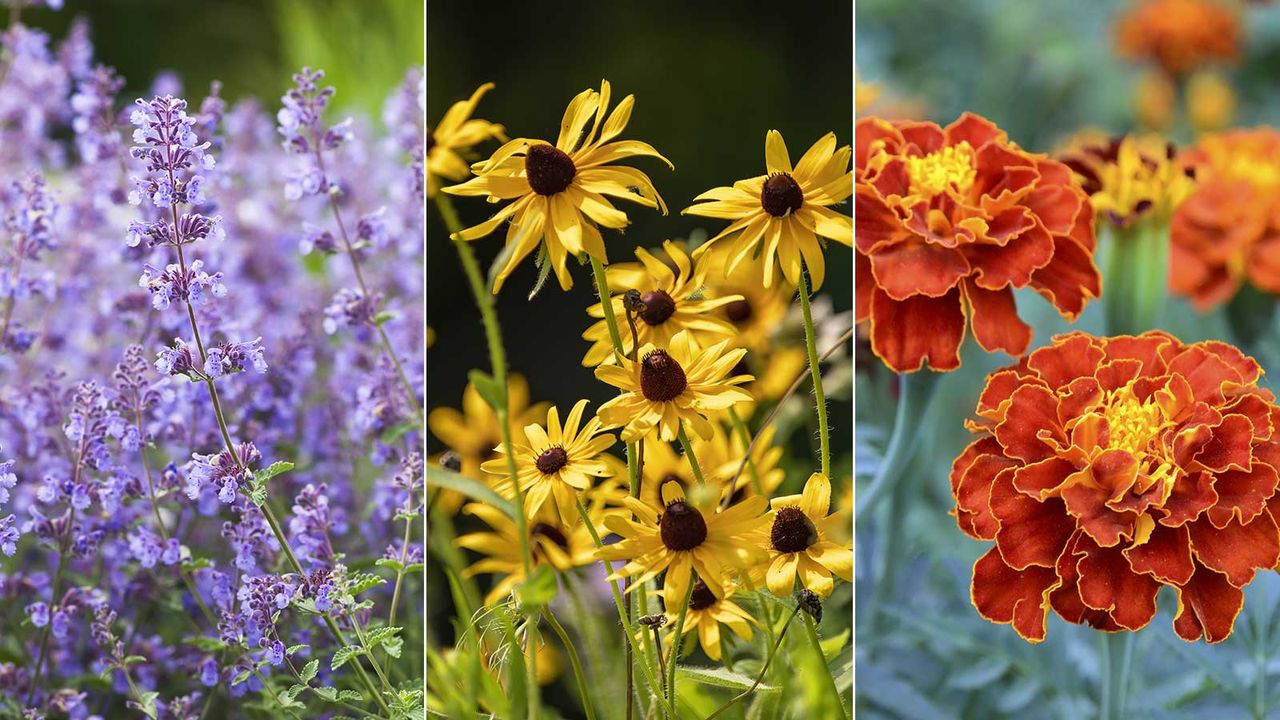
column 710, row 79
column 252, row 46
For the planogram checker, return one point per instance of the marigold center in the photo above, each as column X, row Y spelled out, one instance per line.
column 951, row 168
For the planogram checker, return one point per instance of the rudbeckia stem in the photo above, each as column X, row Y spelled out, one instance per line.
column 627, row 626
column 1116, row 658
column 815, row 369
column 498, row 362
column 811, row 632
column 677, row 640
column 693, row 459
column 573, row 661
column 773, row 652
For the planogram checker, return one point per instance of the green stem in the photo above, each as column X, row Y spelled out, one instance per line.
column 693, row 459
column 773, row 652
column 812, row 633
column 1115, row 660
column 677, row 642
column 606, row 304
column 573, row 661
column 498, row 362
column 819, row 397
column 745, row 434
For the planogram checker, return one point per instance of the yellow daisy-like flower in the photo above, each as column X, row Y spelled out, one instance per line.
column 719, row 458
column 705, row 615
column 784, row 212
column 758, row 311
column 474, row 432
column 799, row 542
column 673, row 301
column 562, row 545
column 557, row 462
column 680, row 538
column 560, row 192
column 450, row 143
column 664, row 464
column 668, row 387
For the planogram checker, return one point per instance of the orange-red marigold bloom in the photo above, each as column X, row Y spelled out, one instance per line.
column 948, row 222
column 1107, row 467
column 1179, row 35
column 1229, row 229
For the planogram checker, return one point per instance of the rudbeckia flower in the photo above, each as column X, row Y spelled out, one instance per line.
column 758, row 310
column 559, row 193
column 1179, row 35
column 782, row 214
column 1105, row 468
column 679, row 538
column 557, row 461
column 562, row 545
column 798, row 541
column 1129, row 178
column 680, row 384
column 719, row 458
column 1228, row 231
column 474, row 432
column 672, row 293
column 449, row 143
column 950, row 222
column 704, row 617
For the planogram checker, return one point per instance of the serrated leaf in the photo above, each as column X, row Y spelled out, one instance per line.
column 374, row 638
column 363, row 581
column 350, row 696
column 441, row 478
column 309, row 670
column 327, row 693
column 278, row 467
column 720, row 677
column 344, row 654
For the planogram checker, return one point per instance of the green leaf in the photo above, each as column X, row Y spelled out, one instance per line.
column 374, row 638
column 258, row 486
column 832, row 646
column 327, row 693
column 488, row 388
column 441, row 478
column 345, row 654
column 350, row 696
column 309, row 671
column 503, row 256
column 363, row 581
column 720, row 677
column 979, row 674
column 544, row 271
column 295, row 649
column 397, row 431
column 383, row 317
column 538, row 591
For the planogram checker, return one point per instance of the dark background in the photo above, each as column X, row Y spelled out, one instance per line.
column 710, row 79
column 252, row 46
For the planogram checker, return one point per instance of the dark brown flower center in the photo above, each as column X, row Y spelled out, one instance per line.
column 549, row 169
column 738, row 311
column 550, row 532
column 781, row 195
column 658, row 306
column 702, row 597
column 661, row 377
column 682, row 526
column 551, row 460
column 792, row 531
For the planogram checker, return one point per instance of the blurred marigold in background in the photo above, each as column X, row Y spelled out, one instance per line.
column 474, row 433
column 560, row 192
column 1129, row 178
column 1107, row 467
column 960, row 217
column 1211, row 101
column 1228, row 231
column 1154, row 100
column 783, row 214
column 449, row 143
column 1179, row 35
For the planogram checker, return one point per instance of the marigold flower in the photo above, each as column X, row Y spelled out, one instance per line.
column 555, row 462
column 1155, row 98
column 798, row 541
column 957, row 218
column 552, row 541
column 783, row 213
column 679, row 537
column 1179, row 35
column 1229, row 229
column 1211, row 101
column 704, row 617
column 561, row 191
column 449, row 143
column 474, row 432
column 672, row 294
column 1107, row 467
column 680, row 384
column 1131, row 177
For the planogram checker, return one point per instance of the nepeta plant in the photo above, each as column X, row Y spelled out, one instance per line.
column 210, row 483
